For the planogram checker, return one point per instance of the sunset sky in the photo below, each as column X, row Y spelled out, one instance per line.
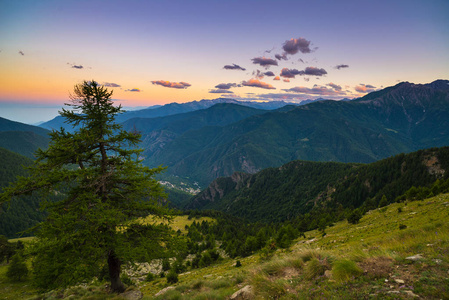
column 157, row 52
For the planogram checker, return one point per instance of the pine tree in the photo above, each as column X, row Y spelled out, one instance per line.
column 106, row 189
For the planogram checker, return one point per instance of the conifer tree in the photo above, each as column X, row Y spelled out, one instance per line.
column 105, row 188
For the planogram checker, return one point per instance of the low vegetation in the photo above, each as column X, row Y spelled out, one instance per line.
column 373, row 258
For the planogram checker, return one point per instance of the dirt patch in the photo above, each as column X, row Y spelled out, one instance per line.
column 377, row 267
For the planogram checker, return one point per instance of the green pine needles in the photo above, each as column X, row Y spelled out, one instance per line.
column 105, row 190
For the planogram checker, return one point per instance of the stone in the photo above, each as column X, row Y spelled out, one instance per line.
column 163, row 291
column 411, row 294
column 437, row 261
column 400, row 281
column 132, row 295
column 416, row 257
column 244, row 293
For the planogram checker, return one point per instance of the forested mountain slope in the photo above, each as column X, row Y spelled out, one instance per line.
column 19, row 214
column 402, row 118
column 278, row 194
column 22, row 138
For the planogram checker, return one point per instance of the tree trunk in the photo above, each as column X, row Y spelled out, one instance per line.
column 114, row 272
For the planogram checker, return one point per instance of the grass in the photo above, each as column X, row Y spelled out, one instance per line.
column 365, row 260
column 178, row 222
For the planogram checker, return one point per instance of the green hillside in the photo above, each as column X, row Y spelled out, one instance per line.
column 278, row 194
column 396, row 252
column 403, row 118
column 20, row 214
column 23, row 142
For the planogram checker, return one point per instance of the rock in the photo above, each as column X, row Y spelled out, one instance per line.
column 416, row 257
column 163, row 291
column 411, row 294
column 245, row 292
column 437, row 261
column 132, row 295
column 400, row 281
column 328, row 274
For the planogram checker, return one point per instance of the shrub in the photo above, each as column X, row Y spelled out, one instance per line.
column 402, row 226
column 150, row 277
column 314, row 269
column 238, row 264
column 17, row 270
column 172, row 277
column 344, row 270
column 126, row 279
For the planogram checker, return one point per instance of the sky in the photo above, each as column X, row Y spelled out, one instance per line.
column 157, row 52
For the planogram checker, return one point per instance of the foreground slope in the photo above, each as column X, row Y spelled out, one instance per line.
column 402, row 118
column 278, row 194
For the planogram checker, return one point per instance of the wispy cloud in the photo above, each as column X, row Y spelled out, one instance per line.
column 259, row 84
column 286, row 80
column 316, row 90
column 338, row 67
column 277, row 78
column 334, row 86
column 233, row 67
column 314, row 71
column 281, row 56
column 269, row 73
column 365, row 88
column 264, row 61
column 111, row 84
column 133, row 90
column 226, row 86
column 21, row 53
column 221, row 91
column 175, row 85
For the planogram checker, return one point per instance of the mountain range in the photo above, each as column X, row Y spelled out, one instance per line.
column 403, row 118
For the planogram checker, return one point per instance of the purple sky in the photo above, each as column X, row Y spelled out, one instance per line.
column 156, row 52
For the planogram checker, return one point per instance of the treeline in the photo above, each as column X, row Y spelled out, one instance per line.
column 298, row 188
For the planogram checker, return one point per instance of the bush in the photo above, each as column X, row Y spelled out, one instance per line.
column 18, row 269
column 355, row 216
column 172, row 277
column 126, row 279
column 344, row 270
column 314, row 269
column 238, row 264
column 402, row 226
column 150, row 277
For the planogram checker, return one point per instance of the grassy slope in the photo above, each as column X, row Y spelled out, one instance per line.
column 376, row 245
column 366, row 260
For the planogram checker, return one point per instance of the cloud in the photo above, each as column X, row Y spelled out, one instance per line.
column 291, row 73
column 314, row 71
column 233, row 67
column 316, row 90
column 286, row 80
column 77, row 67
column 257, row 83
column 133, row 90
column 269, row 73
column 226, row 86
column 221, row 91
column 277, row 78
column 281, row 56
column 264, row 62
column 21, row 53
column 334, row 86
column 293, row 46
column 175, row 85
column 110, row 84
column 300, row 60
column 365, row 88
column 338, row 67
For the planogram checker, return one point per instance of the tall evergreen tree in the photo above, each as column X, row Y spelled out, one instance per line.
column 106, row 190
